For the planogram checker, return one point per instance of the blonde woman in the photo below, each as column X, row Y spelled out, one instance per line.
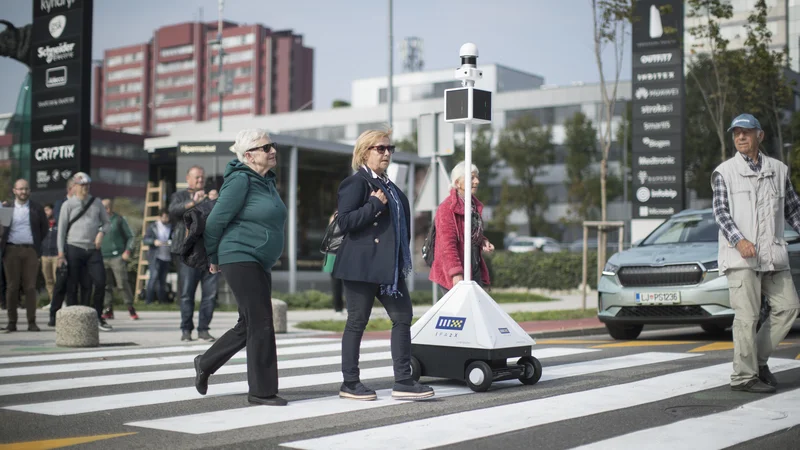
column 373, row 261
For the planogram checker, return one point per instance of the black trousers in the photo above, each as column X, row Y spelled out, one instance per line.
column 338, row 288
column 85, row 270
column 360, row 298
column 252, row 287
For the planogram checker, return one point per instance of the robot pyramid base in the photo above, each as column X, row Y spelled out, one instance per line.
column 467, row 336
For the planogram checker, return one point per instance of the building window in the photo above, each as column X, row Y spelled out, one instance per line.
column 123, row 74
column 118, row 150
column 177, row 51
column 236, row 41
column 173, row 96
column 362, row 127
column 119, row 177
column 124, row 88
column 175, row 111
column 184, row 80
column 125, row 59
column 235, row 57
column 165, row 128
column 115, row 119
column 175, row 66
column 232, row 105
column 123, row 103
column 5, row 153
column 242, row 88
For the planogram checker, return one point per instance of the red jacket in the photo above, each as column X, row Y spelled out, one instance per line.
column 448, row 249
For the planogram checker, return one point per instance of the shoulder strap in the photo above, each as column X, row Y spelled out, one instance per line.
column 81, row 213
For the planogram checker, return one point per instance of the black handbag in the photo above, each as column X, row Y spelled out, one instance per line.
column 333, row 237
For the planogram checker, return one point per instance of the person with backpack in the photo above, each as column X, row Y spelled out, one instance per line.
column 447, row 267
column 243, row 236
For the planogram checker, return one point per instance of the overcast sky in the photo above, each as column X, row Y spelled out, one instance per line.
column 350, row 37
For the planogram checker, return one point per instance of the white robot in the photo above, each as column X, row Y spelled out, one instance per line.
column 465, row 335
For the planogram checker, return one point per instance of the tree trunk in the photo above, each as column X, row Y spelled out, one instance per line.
column 603, row 199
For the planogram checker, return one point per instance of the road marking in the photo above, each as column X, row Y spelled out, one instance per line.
column 567, row 341
column 642, row 344
column 716, row 346
column 142, row 362
column 481, row 423
column 157, row 397
column 246, row 417
column 138, row 351
column 59, row 443
column 749, row 421
column 145, row 377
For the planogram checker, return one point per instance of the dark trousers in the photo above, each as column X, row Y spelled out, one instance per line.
column 252, row 287
column 85, row 270
column 360, row 298
column 338, row 299
column 189, row 279
column 157, row 282
column 21, row 266
column 59, row 293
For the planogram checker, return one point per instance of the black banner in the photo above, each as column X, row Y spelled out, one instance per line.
column 60, row 91
column 658, row 109
column 200, row 148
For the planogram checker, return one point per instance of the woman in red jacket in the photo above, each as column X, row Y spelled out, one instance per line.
column 448, row 252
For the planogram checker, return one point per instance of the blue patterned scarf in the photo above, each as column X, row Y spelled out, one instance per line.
column 402, row 252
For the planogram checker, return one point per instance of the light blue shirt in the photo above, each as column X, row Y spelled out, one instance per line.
column 20, row 232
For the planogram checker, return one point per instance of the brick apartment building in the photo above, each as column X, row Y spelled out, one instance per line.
column 150, row 88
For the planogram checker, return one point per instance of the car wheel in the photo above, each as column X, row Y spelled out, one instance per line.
column 712, row 329
column 624, row 332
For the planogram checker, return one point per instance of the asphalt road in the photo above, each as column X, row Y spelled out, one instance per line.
column 667, row 389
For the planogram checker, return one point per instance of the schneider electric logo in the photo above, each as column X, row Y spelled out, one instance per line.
column 62, row 51
column 49, row 5
column 55, row 153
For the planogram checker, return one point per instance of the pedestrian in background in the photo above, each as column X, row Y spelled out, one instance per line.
column 243, row 240
column 82, row 224
column 50, row 253
column 22, row 246
column 337, row 286
column 117, row 247
column 448, row 252
column 189, row 277
column 374, row 260
column 157, row 237
column 753, row 198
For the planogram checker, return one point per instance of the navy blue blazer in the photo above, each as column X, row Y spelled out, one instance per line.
column 367, row 252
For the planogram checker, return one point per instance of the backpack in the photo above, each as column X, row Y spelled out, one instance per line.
column 427, row 246
column 193, row 253
column 333, row 237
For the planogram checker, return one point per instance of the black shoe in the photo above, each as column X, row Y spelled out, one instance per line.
column 104, row 326
column 186, row 336
column 33, row 327
column 413, row 392
column 200, row 377
column 755, row 386
column 766, row 376
column 51, row 323
column 204, row 336
column 268, row 401
column 357, row 392
column 10, row 328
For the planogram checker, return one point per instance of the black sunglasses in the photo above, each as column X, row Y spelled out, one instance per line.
column 265, row 148
column 383, row 148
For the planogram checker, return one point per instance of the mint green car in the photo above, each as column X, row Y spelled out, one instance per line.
column 671, row 277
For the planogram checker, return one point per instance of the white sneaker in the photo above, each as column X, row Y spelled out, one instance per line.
column 46, row 308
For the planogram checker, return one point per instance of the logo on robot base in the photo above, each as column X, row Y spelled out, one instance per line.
column 449, row 323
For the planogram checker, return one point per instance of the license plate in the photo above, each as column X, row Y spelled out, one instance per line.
column 657, row 298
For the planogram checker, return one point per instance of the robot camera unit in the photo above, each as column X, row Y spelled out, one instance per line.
column 467, row 104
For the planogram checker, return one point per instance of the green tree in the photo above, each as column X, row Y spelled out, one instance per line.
column 582, row 153
column 481, row 157
column 527, row 147
column 340, row 104
column 710, row 50
column 502, row 211
column 408, row 144
column 6, row 183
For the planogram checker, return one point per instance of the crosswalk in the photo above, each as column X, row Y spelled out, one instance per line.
column 149, row 393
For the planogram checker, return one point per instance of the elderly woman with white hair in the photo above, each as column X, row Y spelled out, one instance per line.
column 448, row 252
column 244, row 239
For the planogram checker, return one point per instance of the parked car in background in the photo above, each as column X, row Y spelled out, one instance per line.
column 611, row 247
column 671, row 277
column 523, row 244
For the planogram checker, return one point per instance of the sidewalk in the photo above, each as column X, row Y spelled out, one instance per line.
column 162, row 328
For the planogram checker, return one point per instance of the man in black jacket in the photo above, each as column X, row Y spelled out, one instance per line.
column 22, row 247
column 189, row 277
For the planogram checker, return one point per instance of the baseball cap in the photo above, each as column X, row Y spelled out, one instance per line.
column 745, row 121
column 81, row 178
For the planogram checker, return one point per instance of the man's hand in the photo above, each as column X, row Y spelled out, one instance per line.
column 214, row 268
column 457, row 278
column 198, row 196
column 98, row 240
column 126, row 255
column 61, row 260
column 746, row 248
column 158, row 243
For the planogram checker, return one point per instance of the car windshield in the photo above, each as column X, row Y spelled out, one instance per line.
column 685, row 229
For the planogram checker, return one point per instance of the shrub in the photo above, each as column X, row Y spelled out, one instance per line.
column 532, row 270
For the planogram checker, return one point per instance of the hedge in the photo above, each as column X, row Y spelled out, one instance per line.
column 313, row 299
column 557, row 271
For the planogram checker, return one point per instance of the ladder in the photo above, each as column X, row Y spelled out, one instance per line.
column 153, row 202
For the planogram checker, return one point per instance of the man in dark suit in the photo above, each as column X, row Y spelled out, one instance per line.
column 22, row 247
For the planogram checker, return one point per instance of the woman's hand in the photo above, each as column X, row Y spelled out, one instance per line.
column 487, row 246
column 214, row 268
column 379, row 195
column 457, row 278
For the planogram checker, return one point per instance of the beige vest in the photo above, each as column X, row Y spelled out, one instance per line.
column 756, row 202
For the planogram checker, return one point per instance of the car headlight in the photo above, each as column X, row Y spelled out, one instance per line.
column 711, row 266
column 610, row 269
